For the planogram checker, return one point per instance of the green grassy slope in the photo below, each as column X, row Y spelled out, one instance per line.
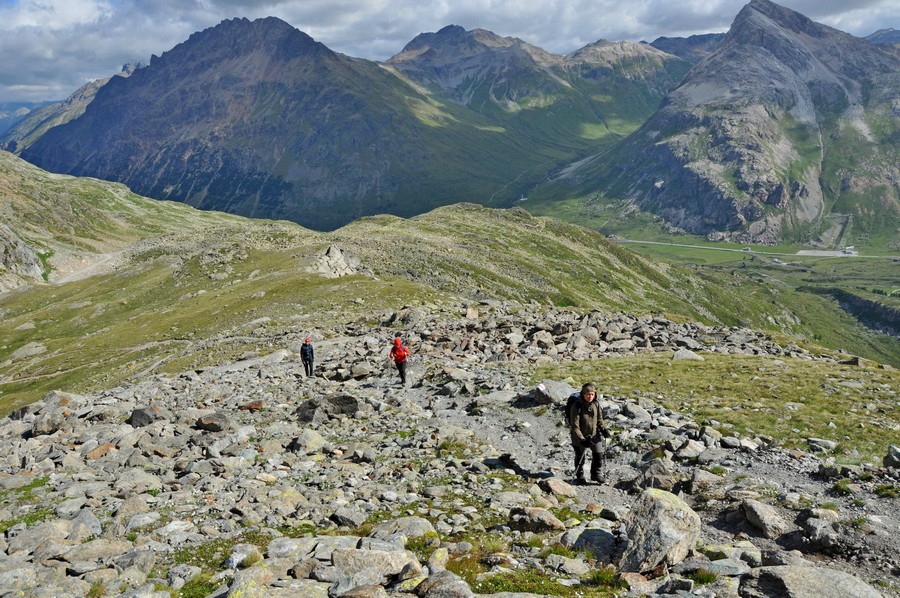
column 196, row 288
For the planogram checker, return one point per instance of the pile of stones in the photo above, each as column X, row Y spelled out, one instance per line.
column 250, row 479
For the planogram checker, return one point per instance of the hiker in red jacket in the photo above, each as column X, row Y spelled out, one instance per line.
column 399, row 353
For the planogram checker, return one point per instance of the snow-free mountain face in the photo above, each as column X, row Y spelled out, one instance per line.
column 258, row 119
column 788, row 130
column 487, row 72
column 693, row 48
column 783, row 129
column 886, row 37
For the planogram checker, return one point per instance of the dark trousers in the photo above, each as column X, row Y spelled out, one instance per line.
column 401, row 367
column 597, row 458
column 308, row 367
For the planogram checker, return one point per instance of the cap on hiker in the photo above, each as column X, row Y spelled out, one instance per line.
column 589, row 387
column 307, row 339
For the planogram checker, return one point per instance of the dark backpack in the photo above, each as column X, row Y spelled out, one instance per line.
column 572, row 400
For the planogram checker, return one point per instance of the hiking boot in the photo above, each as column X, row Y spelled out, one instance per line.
column 598, row 478
column 580, row 481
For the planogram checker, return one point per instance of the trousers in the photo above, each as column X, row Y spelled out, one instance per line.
column 598, row 458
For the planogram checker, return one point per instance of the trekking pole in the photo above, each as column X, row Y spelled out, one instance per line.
column 580, row 466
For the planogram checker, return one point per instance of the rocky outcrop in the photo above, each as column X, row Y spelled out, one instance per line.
column 17, row 260
column 335, row 263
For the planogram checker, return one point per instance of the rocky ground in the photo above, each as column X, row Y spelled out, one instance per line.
column 248, row 479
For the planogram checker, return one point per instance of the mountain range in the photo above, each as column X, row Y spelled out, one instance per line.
column 781, row 129
column 258, row 119
column 787, row 130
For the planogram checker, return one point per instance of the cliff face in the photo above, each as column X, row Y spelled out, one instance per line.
column 787, row 128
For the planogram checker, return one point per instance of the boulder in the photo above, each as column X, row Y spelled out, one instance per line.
column 409, row 527
column 534, row 519
column 658, row 473
column 661, row 530
column 804, row 582
column 320, row 410
column 764, row 518
column 551, row 392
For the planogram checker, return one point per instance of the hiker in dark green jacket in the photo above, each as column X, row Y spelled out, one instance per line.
column 587, row 429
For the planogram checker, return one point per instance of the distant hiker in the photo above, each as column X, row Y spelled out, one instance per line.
column 587, row 430
column 307, row 356
column 399, row 353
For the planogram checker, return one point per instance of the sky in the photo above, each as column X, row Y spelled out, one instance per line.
column 50, row 48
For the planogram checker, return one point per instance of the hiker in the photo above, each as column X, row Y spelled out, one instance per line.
column 307, row 357
column 399, row 353
column 587, row 429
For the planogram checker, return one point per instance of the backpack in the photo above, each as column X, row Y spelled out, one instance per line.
column 400, row 353
column 572, row 400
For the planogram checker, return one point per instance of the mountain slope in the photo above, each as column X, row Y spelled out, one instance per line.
column 139, row 285
column 38, row 121
column 693, row 48
column 787, row 131
column 594, row 95
column 53, row 225
column 256, row 118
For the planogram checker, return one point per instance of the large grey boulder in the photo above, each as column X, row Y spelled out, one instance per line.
column 307, row 442
column 409, row 527
column 658, row 473
column 444, row 584
column 661, row 529
column 764, row 518
column 320, row 410
column 551, row 392
column 803, row 582
column 534, row 519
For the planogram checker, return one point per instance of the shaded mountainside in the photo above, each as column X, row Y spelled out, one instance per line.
column 693, row 48
column 788, row 130
column 38, row 121
column 256, row 118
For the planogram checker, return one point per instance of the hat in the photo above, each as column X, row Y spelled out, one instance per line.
column 307, row 339
column 589, row 387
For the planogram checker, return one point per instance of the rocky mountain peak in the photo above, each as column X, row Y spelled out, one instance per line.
column 454, row 43
column 608, row 52
column 780, row 15
column 748, row 130
column 240, row 36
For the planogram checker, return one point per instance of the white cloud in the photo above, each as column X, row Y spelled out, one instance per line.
column 52, row 14
column 48, row 48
